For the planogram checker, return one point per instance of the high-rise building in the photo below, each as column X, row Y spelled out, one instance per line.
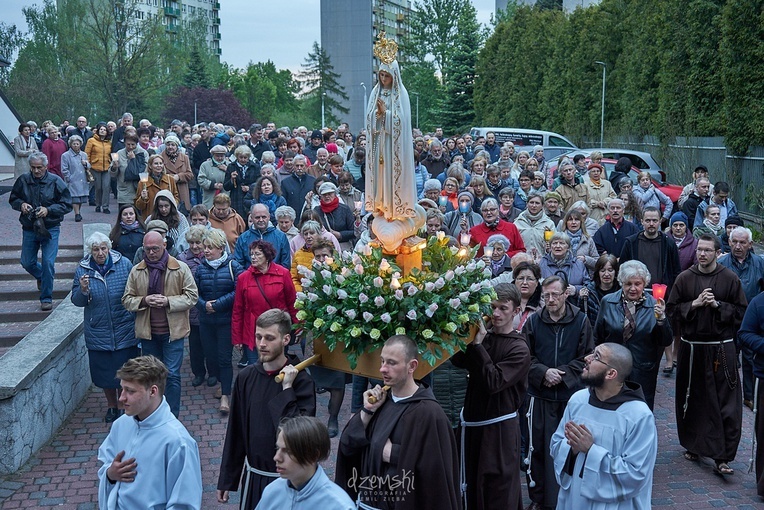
column 567, row 5
column 348, row 31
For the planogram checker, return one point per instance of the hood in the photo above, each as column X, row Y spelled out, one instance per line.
column 630, row 391
column 115, row 257
column 165, row 193
column 570, row 313
column 719, row 268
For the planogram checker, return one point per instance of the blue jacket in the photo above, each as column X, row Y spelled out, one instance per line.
column 728, row 205
column 750, row 272
column 108, row 326
column 611, row 242
column 216, row 284
column 751, row 333
column 272, row 235
column 318, row 493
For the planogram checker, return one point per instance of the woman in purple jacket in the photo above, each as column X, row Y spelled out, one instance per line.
column 686, row 243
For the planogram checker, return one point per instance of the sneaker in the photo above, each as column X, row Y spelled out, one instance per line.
column 212, row 381
column 242, row 364
column 77, row 217
column 98, row 208
column 198, row 380
column 111, row 415
column 46, row 306
column 106, row 210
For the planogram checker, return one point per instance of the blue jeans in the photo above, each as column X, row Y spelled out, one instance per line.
column 46, row 271
column 171, row 354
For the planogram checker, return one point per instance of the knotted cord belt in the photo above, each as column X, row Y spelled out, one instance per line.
column 692, row 357
column 251, row 470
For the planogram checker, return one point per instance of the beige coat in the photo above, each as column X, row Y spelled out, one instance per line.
column 598, row 194
column 179, row 288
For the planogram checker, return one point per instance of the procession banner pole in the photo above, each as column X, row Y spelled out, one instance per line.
column 302, row 365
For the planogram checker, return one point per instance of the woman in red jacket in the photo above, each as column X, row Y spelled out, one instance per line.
column 263, row 286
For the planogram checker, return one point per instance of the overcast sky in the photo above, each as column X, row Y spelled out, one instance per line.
column 257, row 30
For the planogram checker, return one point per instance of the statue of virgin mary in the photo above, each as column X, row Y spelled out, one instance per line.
column 390, row 180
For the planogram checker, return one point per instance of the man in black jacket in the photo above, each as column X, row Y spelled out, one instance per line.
column 296, row 186
column 701, row 194
column 43, row 199
column 559, row 336
column 256, row 141
column 654, row 249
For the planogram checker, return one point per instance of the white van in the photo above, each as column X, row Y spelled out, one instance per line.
column 554, row 143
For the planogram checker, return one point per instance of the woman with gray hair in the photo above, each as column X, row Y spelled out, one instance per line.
column 632, row 317
column 215, row 278
column 590, row 224
column 533, row 223
column 495, row 255
column 285, row 217
column 75, row 169
column 99, row 282
column 560, row 261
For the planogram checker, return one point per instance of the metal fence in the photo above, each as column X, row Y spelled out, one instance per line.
column 682, row 154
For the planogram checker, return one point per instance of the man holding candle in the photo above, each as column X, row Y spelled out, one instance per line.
column 708, row 301
column 399, row 452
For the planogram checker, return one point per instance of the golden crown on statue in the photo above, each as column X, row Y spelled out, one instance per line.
column 385, row 49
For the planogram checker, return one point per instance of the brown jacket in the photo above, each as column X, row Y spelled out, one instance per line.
column 233, row 226
column 146, row 207
column 179, row 288
column 181, row 168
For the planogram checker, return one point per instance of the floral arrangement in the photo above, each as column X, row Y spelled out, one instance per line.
column 361, row 300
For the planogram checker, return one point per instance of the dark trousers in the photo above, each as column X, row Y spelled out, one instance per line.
column 216, row 341
column 201, row 362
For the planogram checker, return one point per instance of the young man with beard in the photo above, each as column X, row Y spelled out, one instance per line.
column 498, row 363
column 708, row 301
column 605, row 446
column 654, row 248
column 399, row 452
column 258, row 403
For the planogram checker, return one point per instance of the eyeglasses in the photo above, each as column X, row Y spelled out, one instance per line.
column 525, row 279
column 551, row 295
column 490, row 209
column 152, row 249
column 703, row 250
column 596, row 357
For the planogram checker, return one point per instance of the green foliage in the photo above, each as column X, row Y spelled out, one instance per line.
column 262, row 89
column 361, row 300
column 101, row 58
column 319, row 80
column 674, row 68
column 196, row 71
column 11, row 39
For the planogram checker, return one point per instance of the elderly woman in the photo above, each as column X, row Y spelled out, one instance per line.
column 521, row 193
column 431, row 189
column 600, row 192
column 212, row 175
column 178, row 167
column 216, row 278
column 604, row 281
column 310, row 232
column 127, row 233
column 23, row 145
column 285, row 217
column 478, row 166
column 507, row 209
column 632, row 317
column 223, row 216
column 157, row 181
column 552, row 201
column 495, row 255
column 532, row 224
column 337, row 218
column 54, row 147
column 712, row 223
column 264, row 285
column 99, row 282
column 239, row 176
column 451, row 194
column 560, row 261
column 193, row 256
column 582, row 245
column 299, row 241
column 591, row 225
column 74, row 166
column 98, row 150
column 166, row 209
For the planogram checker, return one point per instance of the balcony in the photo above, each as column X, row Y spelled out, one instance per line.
column 219, row 51
column 169, row 11
column 216, row 36
column 216, row 21
column 172, row 28
column 400, row 17
column 216, row 6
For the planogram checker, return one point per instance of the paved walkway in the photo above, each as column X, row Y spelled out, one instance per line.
column 63, row 474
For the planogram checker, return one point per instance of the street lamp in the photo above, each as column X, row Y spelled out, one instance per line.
column 602, row 120
column 417, row 108
column 323, row 119
column 365, row 99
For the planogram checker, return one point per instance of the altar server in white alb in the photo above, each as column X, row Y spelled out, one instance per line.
column 605, row 446
column 149, row 459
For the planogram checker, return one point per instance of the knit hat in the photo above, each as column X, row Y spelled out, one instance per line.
column 466, row 194
column 172, row 139
column 734, row 220
column 327, row 187
column 316, row 134
column 427, row 203
column 157, row 226
column 431, row 184
column 331, row 148
column 679, row 216
column 553, row 195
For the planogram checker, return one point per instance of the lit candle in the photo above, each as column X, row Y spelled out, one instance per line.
column 358, row 205
column 442, row 200
column 465, row 239
column 659, row 291
column 488, row 251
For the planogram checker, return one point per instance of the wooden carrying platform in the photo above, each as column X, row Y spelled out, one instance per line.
column 369, row 363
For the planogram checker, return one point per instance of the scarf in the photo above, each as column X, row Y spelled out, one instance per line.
column 214, row 264
column 629, row 321
column 157, row 178
column 156, row 272
column 132, row 227
column 102, row 269
column 497, row 266
column 679, row 241
column 269, row 200
column 493, row 224
column 331, row 206
column 173, row 157
column 575, row 240
column 716, row 229
column 504, row 211
column 533, row 217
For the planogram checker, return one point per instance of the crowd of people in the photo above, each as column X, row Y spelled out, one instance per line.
column 212, row 223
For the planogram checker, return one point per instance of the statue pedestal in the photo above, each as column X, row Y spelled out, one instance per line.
column 409, row 254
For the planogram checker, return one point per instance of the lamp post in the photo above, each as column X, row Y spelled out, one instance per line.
column 602, row 119
column 323, row 119
column 195, row 113
column 417, row 108
column 365, row 99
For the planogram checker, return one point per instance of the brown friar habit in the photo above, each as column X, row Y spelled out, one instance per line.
column 258, row 403
column 709, row 419
column 498, row 381
column 423, row 472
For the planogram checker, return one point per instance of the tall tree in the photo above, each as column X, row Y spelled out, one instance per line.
column 458, row 112
column 11, row 39
column 196, row 71
column 218, row 104
column 319, row 80
column 434, row 29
